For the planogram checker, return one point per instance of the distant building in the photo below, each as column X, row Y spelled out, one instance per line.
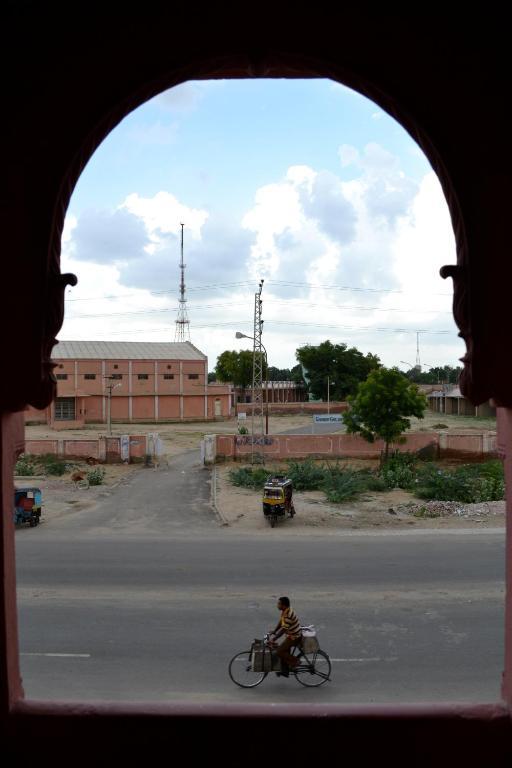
column 450, row 400
column 274, row 391
column 137, row 381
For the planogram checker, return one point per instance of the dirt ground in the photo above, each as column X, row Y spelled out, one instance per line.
column 241, row 509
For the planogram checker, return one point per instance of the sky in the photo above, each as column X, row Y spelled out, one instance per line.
column 305, row 184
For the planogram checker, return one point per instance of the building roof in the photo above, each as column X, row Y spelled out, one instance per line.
column 126, row 350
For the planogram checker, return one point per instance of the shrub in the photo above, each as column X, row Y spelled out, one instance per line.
column 306, row 475
column 249, row 477
column 343, row 484
column 96, row 476
column 52, row 465
column 439, row 426
column 398, row 471
column 469, row 483
column 243, row 430
column 24, row 467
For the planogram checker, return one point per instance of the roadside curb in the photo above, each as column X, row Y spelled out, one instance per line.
column 222, row 520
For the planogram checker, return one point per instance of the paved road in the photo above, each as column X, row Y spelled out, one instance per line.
column 112, row 608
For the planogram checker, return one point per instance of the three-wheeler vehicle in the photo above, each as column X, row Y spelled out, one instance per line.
column 27, row 506
column 278, row 498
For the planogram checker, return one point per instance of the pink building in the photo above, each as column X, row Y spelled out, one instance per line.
column 132, row 382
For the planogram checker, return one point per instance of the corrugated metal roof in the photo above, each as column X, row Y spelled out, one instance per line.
column 126, row 350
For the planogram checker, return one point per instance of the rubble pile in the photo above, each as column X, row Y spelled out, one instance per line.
column 427, row 509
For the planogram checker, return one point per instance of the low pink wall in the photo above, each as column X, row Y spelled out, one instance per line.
column 106, row 449
column 353, row 446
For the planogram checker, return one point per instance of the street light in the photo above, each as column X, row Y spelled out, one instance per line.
column 240, row 335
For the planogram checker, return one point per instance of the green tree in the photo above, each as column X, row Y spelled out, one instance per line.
column 441, row 374
column 381, row 406
column 345, row 367
column 235, row 366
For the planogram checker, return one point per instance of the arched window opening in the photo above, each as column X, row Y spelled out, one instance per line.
column 197, row 196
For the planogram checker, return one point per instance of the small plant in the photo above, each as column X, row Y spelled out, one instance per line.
column 96, row 476
column 439, row 426
column 243, row 430
column 423, row 512
column 24, row 467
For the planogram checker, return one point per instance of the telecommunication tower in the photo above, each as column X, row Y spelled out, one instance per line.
column 182, row 332
column 258, row 431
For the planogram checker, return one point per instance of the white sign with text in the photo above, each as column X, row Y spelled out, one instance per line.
column 327, row 418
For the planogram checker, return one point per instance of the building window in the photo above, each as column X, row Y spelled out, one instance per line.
column 193, row 375
column 168, row 375
column 89, row 376
column 142, row 376
column 116, row 366
column 65, row 409
column 116, row 375
column 169, row 367
column 61, row 376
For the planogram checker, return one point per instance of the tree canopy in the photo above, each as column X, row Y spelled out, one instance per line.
column 381, row 407
column 235, row 366
column 345, row 367
column 285, row 374
column 441, row 374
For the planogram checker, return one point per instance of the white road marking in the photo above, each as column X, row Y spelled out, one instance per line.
column 366, row 659
column 61, row 655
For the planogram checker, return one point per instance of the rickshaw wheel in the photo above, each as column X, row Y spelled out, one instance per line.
column 273, row 521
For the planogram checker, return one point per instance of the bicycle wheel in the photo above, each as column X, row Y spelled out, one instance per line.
column 241, row 673
column 314, row 669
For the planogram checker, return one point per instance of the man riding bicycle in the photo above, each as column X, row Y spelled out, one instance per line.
column 288, row 625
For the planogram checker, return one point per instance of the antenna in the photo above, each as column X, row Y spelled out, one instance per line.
column 182, row 332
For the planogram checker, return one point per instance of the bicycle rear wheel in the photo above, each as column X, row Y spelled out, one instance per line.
column 314, row 669
column 241, row 672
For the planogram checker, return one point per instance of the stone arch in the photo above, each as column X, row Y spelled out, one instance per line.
column 71, row 83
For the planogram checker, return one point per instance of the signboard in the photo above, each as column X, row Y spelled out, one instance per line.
column 242, row 416
column 327, row 418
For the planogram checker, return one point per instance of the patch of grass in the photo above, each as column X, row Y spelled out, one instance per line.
column 343, row 484
column 440, row 426
column 423, row 512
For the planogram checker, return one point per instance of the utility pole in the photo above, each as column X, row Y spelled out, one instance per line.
column 418, row 361
column 328, row 396
column 258, row 433
column 110, row 387
column 182, row 332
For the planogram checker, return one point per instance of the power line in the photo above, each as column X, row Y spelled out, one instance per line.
column 241, row 284
column 244, row 303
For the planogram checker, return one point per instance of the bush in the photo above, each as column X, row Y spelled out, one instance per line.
column 306, row 475
column 24, row 467
column 399, row 471
column 248, row 477
column 439, row 426
column 243, row 430
column 96, row 476
column 52, row 465
column 343, row 484
column 469, row 483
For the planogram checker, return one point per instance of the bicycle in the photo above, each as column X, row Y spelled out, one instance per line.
column 313, row 670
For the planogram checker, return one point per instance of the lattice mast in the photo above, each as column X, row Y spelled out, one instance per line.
column 182, row 332
column 418, row 361
column 258, row 432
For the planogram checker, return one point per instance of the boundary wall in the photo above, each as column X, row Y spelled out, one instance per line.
column 108, row 450
column 335, row 445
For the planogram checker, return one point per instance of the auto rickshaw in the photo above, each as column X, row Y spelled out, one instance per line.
column 277, row 498
column 27, row 506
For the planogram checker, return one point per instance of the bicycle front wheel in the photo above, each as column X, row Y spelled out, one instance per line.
column 314, row 669
column 241, row 672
